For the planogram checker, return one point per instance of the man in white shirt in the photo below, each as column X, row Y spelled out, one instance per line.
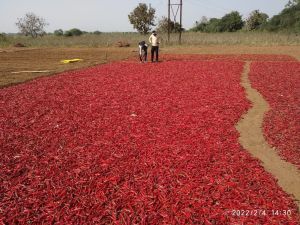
column 154, row 40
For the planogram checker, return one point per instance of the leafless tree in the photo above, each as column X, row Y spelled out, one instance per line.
column 32, row 25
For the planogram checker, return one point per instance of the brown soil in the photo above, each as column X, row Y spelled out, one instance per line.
column 48, row 59
column 252, row 139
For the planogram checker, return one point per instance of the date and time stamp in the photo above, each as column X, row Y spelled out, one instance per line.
column 259, row 212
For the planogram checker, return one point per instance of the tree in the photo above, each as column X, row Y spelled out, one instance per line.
column 213, row 25
column 163, row 26
column 292, row 3
column 59, row 32
column 204, row 19
column 142, row 18
column 32, row 25
column 231, row 22
column 287, row 20
column 256, row 20
column 204, row 25
column 200, row 25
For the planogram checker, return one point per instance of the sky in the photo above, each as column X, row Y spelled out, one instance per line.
column 112, row 15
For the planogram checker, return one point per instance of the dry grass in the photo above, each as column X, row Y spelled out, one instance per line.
column 16, row 59
column 293, row 51
column 188, row 39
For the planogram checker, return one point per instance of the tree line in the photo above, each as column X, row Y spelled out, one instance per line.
column 143, row 20
column 288, row 20
column 73, row 32
column 143, row 17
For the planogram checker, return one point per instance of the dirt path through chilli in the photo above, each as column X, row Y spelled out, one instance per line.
column 252, row 139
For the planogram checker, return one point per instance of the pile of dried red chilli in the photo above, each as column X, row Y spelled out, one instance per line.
column 279, row 83
column 126, row 143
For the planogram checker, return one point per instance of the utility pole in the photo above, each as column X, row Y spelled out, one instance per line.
column 149, row 11
column 178, row 7
column 169, row 19
column 180, row 22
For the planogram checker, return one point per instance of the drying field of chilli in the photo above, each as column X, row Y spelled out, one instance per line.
column 281, row 88
column 155, row 143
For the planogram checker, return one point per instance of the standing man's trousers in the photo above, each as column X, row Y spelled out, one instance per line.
column 154, row 49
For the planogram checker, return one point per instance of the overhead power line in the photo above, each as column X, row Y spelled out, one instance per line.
column 209, row 5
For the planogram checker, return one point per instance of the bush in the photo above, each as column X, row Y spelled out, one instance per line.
column 59, row 32
column 3, row 37
column 76, row 32
column 97, row 32
column 73, row 32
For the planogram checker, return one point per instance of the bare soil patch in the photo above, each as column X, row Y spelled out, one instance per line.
column 49, row 59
